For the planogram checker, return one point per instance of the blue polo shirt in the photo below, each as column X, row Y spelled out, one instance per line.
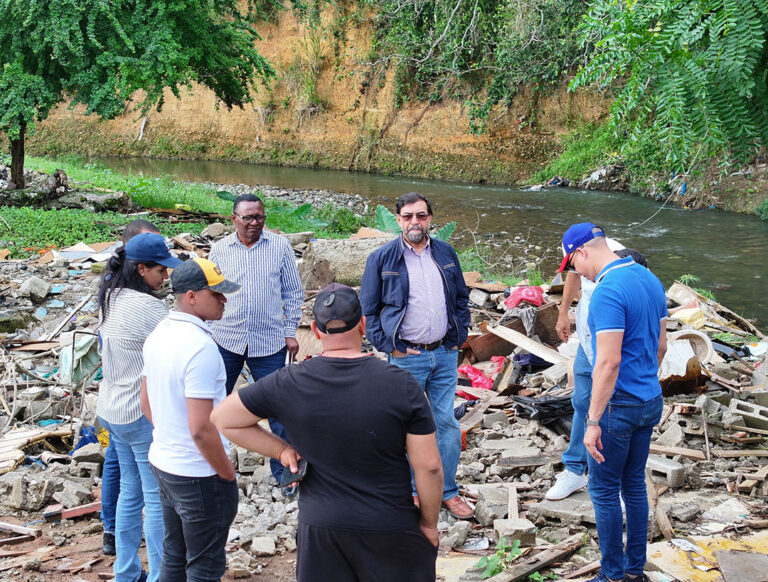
column 630, row 299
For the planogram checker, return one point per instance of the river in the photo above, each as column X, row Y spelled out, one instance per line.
column 726, row 251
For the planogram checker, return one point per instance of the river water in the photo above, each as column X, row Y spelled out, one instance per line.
column 726, row 251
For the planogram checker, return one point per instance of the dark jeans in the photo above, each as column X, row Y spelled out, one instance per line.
column 110, row 487
column 329, row 555
column 259, row 367
column 197, row 512
column 626, row 428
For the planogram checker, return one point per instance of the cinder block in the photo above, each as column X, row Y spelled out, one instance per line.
column 92, row 470
column 666, row 471
column 755, row 416
column 515, row 529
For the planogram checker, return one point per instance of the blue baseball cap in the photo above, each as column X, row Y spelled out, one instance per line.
column 576, row 236
column 150, row 247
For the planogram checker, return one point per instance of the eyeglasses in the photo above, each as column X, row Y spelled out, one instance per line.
column 420, row 216
column 251, row 217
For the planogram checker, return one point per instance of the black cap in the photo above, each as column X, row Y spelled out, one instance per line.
column 337, row 302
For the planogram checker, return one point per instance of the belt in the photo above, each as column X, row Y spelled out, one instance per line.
column 425, row 347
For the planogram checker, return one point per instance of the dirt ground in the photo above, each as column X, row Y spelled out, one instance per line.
column 62, row 547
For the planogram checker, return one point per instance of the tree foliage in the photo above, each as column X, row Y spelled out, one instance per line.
column 490, row 46
column 692, row 73
column 100, row 52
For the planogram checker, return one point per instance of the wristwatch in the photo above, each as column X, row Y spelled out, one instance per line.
column 591, row 422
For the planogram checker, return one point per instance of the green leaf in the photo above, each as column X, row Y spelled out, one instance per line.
column 445, row 232
column 224, row 195
column 303, row 210
column 386, row 221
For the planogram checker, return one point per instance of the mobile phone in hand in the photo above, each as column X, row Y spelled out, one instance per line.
column 288, row 477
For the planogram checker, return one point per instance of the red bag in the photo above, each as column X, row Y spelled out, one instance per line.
column 532, row 295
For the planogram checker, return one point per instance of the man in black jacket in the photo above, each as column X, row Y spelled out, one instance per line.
column 415, row 300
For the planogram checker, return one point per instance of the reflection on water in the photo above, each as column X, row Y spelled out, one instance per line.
column 725, row 250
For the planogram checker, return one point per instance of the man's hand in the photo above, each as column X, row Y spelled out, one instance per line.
column 593, row 443
column 293, row 348
column 430, row 533
column 399, row 354
column 563, row 325
column 289, row 458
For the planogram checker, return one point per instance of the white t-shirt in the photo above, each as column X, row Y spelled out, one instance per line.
column 181, row 361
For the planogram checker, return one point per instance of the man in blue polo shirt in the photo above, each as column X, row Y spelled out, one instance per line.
column 627, row 321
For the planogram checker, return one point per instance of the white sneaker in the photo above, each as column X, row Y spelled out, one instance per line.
column 566, row 484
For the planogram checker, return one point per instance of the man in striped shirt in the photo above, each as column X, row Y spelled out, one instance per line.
column 259, row 326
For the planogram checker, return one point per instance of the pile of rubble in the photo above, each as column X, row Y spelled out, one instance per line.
column 707, row 472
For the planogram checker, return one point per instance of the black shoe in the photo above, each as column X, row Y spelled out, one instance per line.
column 143, row 577
column 108, row 544
column 640, row 578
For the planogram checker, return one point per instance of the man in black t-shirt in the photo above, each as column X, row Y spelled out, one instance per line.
column 353, row 418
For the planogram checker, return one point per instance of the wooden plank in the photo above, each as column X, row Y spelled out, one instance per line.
column 521, row 571
column 530, row 345
column 656, row 509
column 35, row 347
column 735, row 454
column 692, row 454
column 588, row 569
column 512, row 511
column 16, row 540
column 478, row 392
column 20, row 529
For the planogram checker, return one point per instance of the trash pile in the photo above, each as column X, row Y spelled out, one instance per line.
column 708, row 471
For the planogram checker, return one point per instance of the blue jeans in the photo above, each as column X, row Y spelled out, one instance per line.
column 575, row 456
column 138, row 492
column 436, row 372
column 110, row 487
column 626, row 427
column 197, row 512
column 259, row 367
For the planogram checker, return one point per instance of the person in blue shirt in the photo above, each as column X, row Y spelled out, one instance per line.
column 627, row 321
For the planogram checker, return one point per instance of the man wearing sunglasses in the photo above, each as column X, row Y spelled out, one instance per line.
column 627, row 320
column 416, row 303
column 259, row 325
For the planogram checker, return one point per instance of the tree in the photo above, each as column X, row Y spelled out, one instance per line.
column 694, row 75
column 101, row 52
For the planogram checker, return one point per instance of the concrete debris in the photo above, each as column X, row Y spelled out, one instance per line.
column 707, row 450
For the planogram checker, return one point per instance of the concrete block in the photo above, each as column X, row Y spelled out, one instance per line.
column 30, row 494
column 733, row 419
column 263, row 546
column 512, row 447
column 90, row 453
column 481, row 298
column 755, row 416
column 666, row 471
column 574, row 509
column 248, row 461
column 711, row 407
column 515, row 529
column 91, row 470
column 684, row 511
column 673, row 436
column 34, row 288
column 492, row 502
column 73, row 494
column 495, row 417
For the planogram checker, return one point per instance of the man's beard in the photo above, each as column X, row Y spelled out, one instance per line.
column 415, row 234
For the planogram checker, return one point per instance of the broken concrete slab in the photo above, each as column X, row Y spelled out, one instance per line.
column 575, row 509
column 90, row 453
column 515, row 529
column 498, row 417
column 512, row 447
column 263, row 546
column 339, row 260
column 491, row 504
column 35, row 288
column 73, row 494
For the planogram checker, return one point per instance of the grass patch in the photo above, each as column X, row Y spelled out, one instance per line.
column 31, row 230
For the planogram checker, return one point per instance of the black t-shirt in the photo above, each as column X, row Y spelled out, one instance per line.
column 349, row 419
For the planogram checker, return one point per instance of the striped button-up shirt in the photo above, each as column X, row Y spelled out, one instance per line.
column 426, row 319
column 267, row 308
column 131, row 317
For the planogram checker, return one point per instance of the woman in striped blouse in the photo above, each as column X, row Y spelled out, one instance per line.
column 130, row 310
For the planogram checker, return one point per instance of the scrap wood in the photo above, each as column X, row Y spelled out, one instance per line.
column 77, row 568
column 471, row 420
column 521, row 570
column 588, row 569
column 656, row 509
column 736, row 453
column 184, row 244
column 530, row 345
column 35, row 346
column 757, row 523
column 9, row 460
column 692, row 454
column 17, row 540
column 65, row 321
column 14, row 553
column 20, row 529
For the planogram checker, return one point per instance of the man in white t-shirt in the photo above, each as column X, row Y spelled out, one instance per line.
column 183, row 379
